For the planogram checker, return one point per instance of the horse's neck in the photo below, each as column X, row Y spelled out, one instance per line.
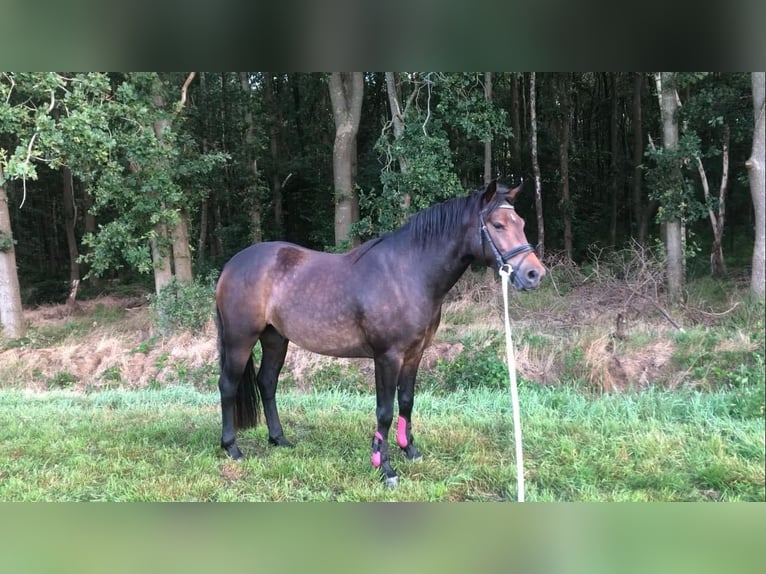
column 443, row 267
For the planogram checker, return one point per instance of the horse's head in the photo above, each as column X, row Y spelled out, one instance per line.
column 502, row 239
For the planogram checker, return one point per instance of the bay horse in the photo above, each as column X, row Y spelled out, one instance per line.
column 381, row 300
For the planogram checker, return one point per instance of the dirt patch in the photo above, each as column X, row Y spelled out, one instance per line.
column 639, row 368
column 128, row 352
column 94, row 349
column 440, row 352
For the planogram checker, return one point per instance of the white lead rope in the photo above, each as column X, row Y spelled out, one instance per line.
column 505, row 273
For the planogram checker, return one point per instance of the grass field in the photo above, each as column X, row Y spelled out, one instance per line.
column 161, row 445
column 618, row 404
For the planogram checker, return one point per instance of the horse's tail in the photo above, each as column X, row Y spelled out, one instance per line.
column 247, row 404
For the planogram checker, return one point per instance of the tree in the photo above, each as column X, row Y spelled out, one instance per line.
column 420, row 147
column 488, row 175
column 397, row 121
column 536, row 165
column 29, row 114
column 275, row 137
column 756, row 167
column 67, row 184
column 346, row 93
column 717, row 216
column 252, row 162
column 614, row 173
column 516, row 162
column 565, row 122
column 673, row 223
column 11, row 312
column 641, row 209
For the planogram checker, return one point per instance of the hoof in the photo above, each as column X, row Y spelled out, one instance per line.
column 280, row 441
column 391, row 481
column 412, row 453
column 233, row 451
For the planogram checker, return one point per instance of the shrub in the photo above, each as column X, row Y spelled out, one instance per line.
column 184, row 306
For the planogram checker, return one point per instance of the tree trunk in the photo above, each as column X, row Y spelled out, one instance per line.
column 217, row 225
column 182, row 262
column 179, row 235
column 516, row 164
column 717, row 263
column 488, row 176
column 673, row 228
column 163, row 270
column 640, row 213
column 69, row 225
column 275, row 120
column 161, row 257
column 204, row 209
column 756, row 165
column 613, row 166
column 536, row 166
column 202, row 238
column 566, row 203
column 252, row 165
column 346, row 92
column 11, row 312
column 397, row 120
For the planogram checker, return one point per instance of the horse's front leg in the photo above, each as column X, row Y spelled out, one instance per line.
column 387, row 369
column 406, row 396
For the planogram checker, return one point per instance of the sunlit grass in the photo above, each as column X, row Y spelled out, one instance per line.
column 163, row 445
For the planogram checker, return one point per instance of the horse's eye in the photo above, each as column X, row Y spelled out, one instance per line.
column 498, row 226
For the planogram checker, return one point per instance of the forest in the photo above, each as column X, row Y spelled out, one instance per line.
column 640, row 357
column 141, row 177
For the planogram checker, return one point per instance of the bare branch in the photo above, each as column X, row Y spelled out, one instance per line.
column 185, row 88
column 428, row 114
column 706, row 189
column 53, row 101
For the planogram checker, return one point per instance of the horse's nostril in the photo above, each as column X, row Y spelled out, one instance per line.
column 533, row 277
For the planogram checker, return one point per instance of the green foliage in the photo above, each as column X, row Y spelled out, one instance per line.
column 419, row 164
column 184, row 306
column 675, row 193
column 61, row 380
column 101, row 127
column 429, row 176
column 337, row 377
column 477, row 366
column 6, row 242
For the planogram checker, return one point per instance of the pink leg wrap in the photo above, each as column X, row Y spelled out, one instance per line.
column 375, row 457
column 401, row 432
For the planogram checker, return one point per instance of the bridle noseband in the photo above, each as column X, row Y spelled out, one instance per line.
column 502, row 259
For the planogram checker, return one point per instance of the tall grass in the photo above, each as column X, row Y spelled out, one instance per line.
column 163, row 445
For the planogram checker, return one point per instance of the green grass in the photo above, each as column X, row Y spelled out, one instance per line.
column 162, row 445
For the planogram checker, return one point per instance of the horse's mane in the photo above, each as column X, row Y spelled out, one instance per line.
column 441, row 220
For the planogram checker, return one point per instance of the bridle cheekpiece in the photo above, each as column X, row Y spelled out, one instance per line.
column 502, row 259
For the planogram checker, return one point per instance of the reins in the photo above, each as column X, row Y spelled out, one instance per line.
column 506, row 273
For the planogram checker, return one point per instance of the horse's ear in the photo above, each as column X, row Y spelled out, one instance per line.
column 489, row 193
column 515, row 191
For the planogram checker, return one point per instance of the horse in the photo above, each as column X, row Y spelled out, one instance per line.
column 380, row 300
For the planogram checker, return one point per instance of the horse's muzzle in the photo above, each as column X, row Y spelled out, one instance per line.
column 528, row 275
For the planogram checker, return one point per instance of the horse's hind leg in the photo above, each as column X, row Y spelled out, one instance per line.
column 274, row 347
column 233, row 367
